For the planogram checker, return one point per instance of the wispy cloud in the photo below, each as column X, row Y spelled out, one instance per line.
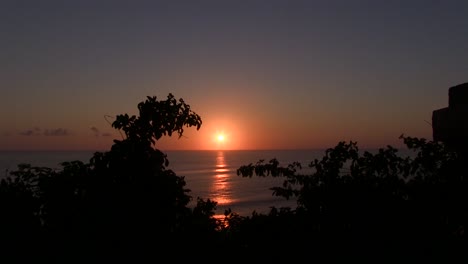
column 97, row 132
column 56, row 132
column 46, row 132
column 31, row 132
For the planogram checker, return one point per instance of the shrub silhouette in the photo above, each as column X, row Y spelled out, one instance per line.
column 380, row 205
column 124, row 204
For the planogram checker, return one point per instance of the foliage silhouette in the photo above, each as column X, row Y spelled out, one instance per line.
column 386, row 204
column 124, row 204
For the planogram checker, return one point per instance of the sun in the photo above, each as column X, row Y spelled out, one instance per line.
column 221, row 139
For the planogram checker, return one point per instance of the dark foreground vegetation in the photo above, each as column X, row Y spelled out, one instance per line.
column 125, row 206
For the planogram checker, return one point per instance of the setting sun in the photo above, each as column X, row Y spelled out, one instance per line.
column 221, row 134
column 221, row 140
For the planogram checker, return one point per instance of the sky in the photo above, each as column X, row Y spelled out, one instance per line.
column 264, row 74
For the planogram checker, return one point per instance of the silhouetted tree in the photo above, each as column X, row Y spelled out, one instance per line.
column 123, row 203
column 371, row 205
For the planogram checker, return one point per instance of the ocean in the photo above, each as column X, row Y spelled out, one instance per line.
column 208, row 173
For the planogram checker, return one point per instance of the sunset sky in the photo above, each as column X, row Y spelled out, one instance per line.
column 264, row 74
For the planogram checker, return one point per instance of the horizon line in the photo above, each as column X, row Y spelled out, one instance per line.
column 163, row 150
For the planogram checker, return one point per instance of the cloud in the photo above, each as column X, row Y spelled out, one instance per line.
column 56, row 132
column 31, row 132
column 47, row 132
column 95, row 131
column 98, row 133
column 27, row 133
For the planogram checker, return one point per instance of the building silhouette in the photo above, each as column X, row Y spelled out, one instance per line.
column 450, row 124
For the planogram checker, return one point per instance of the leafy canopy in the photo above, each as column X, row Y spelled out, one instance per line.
column 157, row 119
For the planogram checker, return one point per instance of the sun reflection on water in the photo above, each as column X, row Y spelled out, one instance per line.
column 221, row 188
